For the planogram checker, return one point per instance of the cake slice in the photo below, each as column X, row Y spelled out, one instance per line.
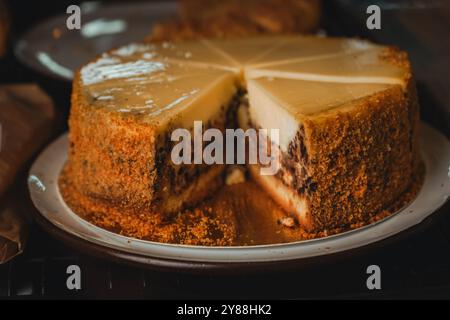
column 345, row 148
column 122, row 116
column 348, row 133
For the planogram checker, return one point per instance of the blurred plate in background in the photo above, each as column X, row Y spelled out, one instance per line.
column 50, row 48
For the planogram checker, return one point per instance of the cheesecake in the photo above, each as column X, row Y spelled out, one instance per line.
column 346, row 111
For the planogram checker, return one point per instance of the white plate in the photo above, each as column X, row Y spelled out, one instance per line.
column 103, row 28
column 46, row 197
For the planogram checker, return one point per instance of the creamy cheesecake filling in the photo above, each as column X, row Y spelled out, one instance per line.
column 295, row 151
column 265, row 113
column 291, row 186
column 293, row 170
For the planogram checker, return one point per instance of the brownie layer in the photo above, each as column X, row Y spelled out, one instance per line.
column 184, row 185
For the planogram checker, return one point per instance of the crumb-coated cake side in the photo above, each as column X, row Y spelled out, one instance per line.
column 343, row 168
column 346, row 111
column 342, row 165
column 125, row 161
column 124, row 107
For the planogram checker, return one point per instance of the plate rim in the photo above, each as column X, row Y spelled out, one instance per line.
column 159, row 264
column 273, row 247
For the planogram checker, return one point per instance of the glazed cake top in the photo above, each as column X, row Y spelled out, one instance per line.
column 155, row 92
column 186, row 81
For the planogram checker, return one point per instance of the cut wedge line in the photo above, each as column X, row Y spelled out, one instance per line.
column 221, row 52
column 204, row 65
column 266, row 52
column 302, row 59
column 254, row 74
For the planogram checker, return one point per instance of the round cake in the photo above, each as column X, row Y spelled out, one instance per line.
column 346, row 111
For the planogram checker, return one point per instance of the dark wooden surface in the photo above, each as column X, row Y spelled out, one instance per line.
column 26, row 119
column 26, row 116
column 414, row 264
